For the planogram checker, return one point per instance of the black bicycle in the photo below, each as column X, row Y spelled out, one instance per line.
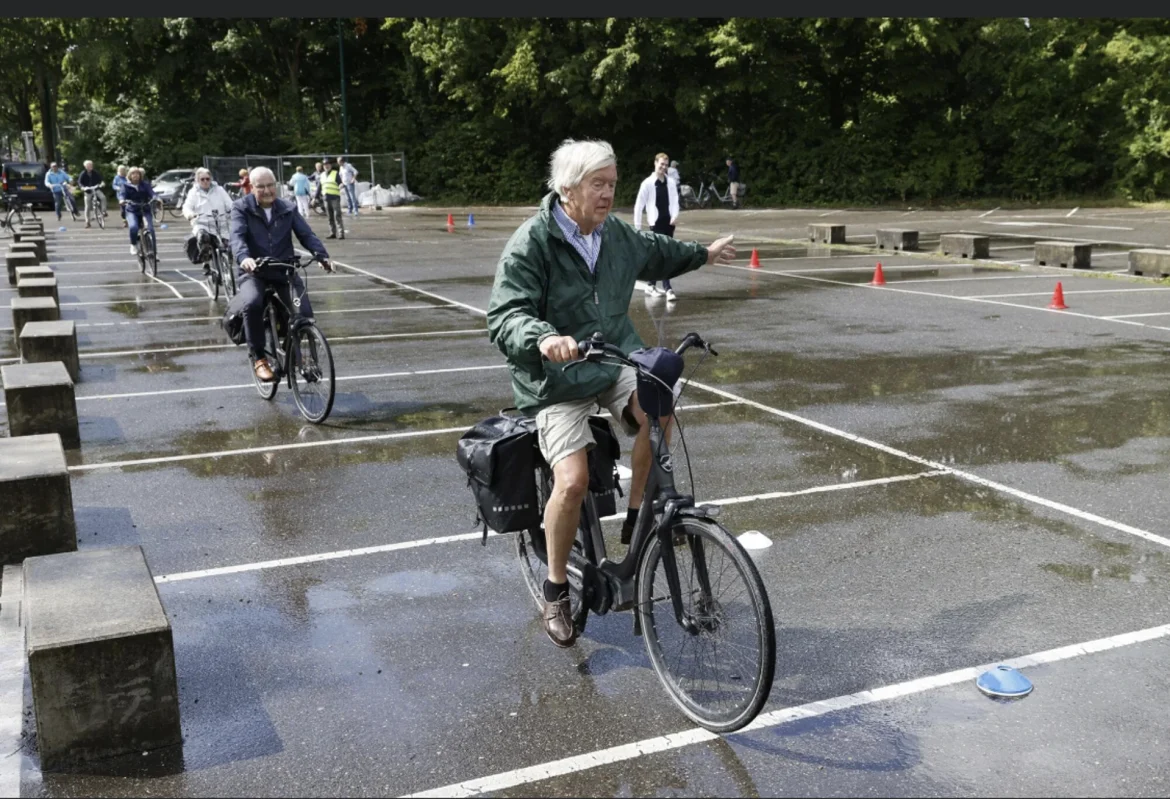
column 698, row 600
column 16, row 213
column 147, row 246
column 220, row 272
column 295, row 347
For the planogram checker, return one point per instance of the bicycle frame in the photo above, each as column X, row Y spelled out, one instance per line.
column 617, row 580
column 295, row 320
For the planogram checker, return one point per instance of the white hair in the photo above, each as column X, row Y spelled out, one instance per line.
column 87, row 164
column 573, row 160
column 259, row 172
column 201, row 171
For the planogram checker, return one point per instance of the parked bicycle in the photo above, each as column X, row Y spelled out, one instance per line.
column 708, row 195
column 295, row 347
column 698, row 600
column 221, row 274
column 147, row 246
column 16, row 213
column 95, row 200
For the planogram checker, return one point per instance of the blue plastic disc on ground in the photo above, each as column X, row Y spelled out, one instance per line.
column 1004, row 681
column 62, row 228
column 163, row 226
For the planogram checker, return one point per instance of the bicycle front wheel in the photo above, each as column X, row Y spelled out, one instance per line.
column 718, row 663
column 100, row 213
column 151, row 253
column 313, row 381
column 533, row 556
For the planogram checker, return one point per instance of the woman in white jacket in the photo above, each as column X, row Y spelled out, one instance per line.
column 205, row 197
column 658, row 197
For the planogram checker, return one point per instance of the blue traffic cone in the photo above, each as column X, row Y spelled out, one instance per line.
column 471, row 220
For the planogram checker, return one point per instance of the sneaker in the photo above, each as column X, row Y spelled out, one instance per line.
column 331, row 236
column 653, row 291
column 670, row 297
column 133, row 249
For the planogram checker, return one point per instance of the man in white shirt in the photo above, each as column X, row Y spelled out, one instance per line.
column 658, row 197
column 349, row 183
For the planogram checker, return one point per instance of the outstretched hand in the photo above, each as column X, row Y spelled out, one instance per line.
column 721, row 251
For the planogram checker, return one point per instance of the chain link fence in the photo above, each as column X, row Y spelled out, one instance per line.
column 387, row 170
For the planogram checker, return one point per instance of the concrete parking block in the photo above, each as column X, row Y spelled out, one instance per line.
column 45, row 342
column 40, row 399
column 37, row 498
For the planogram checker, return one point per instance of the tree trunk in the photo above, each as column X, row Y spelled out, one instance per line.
column 48, row 123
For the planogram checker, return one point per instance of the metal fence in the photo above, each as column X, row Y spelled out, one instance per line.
column 384, row 169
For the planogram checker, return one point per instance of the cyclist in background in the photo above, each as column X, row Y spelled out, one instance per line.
column 203, row 198
column 57, row 180
column 95, row 201
column 262, row 227
column 118, row 182
column 136, row 189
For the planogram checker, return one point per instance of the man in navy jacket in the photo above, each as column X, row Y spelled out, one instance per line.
column 262, row 227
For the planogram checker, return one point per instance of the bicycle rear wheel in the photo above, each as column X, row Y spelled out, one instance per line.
column 100, row 213
column 313, row 381
column 271, row 352
column 533, row 556
column 228, row 272
column 719, row 671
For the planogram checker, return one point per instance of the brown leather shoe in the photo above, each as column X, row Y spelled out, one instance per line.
column 558, row 622
column 264, row 371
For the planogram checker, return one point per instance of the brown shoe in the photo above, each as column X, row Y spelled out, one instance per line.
column 558, row 622
column 264, row 371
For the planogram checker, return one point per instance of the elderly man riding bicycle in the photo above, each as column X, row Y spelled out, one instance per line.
column 262, row 226
column 565, row 274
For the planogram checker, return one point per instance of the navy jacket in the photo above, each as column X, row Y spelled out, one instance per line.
column 254, row 237
column 142, row 193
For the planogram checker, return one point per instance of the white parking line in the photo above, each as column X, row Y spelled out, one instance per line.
column 137, row 300
column 168, row 285
column 202, row 284
column 775, row 718
column 88, row 467
column 199, row 347
column 425, row 542
column 1137, row 315
column 1057, row 224
column 942, row 296
column 1069, row 291
column 1015, row 492
column 1073, row 211
column 989, row 213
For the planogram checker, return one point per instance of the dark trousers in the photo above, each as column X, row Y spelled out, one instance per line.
column 136, row 220
column 666, row 229
column 333, row 206
column 251, row 287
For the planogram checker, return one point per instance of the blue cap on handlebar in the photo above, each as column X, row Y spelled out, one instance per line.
column 656, row 399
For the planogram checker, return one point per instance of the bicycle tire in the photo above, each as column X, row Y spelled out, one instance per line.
column 214, row 278
column 228, row 270
column 69, row 201
column 141, row 254
column 533, row 557
column 749, row 677
column 152, row 253
column 100, row 214
column 314, row 383
column 268, row 390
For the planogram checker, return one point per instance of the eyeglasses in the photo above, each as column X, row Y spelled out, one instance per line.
column 204, row 180
column 264, row 185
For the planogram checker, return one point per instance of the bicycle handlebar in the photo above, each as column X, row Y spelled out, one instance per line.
column 595, row 348
column 296, row 263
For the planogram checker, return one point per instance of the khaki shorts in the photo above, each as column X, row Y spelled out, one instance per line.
column 564, row 427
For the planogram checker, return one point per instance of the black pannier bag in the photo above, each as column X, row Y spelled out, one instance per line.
column 603, row 459
column 233, row 319
column 499, row 456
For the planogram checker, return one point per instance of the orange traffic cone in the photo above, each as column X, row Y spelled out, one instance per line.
column 450, row 220
column 1057, row 303
column 879, row 279
column 755, row 262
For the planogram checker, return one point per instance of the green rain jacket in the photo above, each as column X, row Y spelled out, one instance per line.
column 543, row 287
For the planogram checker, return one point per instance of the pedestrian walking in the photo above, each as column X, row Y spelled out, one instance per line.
column 349, row 183
column 300, row 187
column 245, row 183
column 733, row 181
column 331, row 191
column 658, row 198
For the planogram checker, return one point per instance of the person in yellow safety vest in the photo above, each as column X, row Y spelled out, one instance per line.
column 331, row 189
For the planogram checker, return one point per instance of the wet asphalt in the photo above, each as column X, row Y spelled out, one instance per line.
column 415, row 667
